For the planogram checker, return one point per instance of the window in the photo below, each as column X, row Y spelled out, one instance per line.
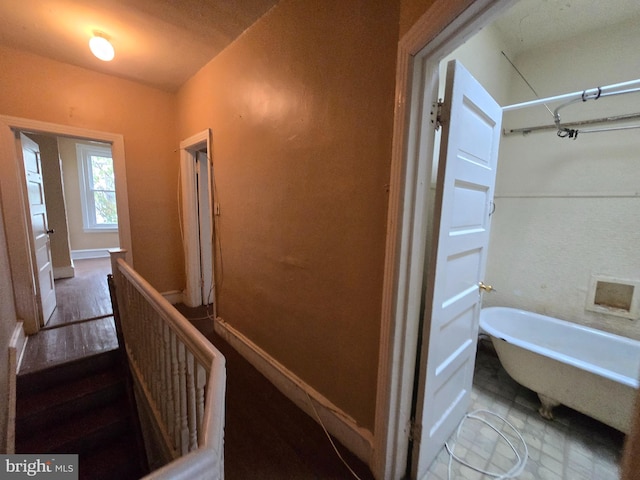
column 97, row 188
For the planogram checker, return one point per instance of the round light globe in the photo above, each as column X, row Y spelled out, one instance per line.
column 101, row 48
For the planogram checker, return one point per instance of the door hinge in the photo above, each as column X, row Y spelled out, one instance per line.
column 415, row 432
column 436, row 114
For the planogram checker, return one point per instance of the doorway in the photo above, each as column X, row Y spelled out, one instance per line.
column 14, row 194
column 413, row 200
column 198, row 220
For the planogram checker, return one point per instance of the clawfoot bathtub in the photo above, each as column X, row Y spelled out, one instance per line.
column 589, row 370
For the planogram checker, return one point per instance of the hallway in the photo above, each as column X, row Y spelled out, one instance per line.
column 266, row 435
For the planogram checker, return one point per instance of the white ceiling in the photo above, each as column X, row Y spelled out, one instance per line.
column 164, row 42
column 157, row 42
column 532, row 23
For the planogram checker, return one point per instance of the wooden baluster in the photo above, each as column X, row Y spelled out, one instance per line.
column 135, row 322
column 168, row 391
column 142, row 346
column 175, row 386
column 201, row 385
column 156, row 352
column 191, row 402
column 182, row 377
column 148, row 335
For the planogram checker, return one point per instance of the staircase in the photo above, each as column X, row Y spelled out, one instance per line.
column 82, row 407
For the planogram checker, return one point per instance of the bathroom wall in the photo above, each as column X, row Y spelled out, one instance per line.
column 568, row 209
column 80, row 240
column 481, row 56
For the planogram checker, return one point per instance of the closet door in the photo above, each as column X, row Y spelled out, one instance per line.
column 466, row 177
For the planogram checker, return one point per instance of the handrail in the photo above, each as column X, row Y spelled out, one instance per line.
column 180, row 375
column 189, row 334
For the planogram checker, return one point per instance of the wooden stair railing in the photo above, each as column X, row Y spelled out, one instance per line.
column 179, row 379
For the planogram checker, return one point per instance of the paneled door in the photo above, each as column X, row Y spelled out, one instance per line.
column 45, row 287
column 468, row 156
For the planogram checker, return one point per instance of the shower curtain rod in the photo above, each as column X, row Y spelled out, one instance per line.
column 592, row 93
column 609, row 129
column 618, row 118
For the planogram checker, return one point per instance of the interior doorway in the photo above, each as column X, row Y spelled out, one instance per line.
column 198, row 226
column 82, row 225
column 418, row 50
column 14, row 195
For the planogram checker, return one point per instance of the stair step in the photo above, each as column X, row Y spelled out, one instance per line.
column 32, row 382
column 115, row 460
column 44, row 409
column 80, row 434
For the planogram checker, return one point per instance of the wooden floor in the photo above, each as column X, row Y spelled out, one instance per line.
column 266, row 435
column 84, row 296
column 82, row 323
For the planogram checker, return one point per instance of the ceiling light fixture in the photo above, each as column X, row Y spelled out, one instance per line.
column 101, row 47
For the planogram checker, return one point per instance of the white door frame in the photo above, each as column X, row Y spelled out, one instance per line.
column 14, row 203
column 443, row 27
column 195, row 208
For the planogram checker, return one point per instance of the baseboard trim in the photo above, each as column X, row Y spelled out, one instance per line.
column 64, row 272
column 357, row 439
column 173, row 296
column 90, row 253
column 17, row 345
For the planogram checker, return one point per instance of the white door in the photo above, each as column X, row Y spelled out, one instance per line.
column 466, row 178
column 45, row 287
column 205, row 226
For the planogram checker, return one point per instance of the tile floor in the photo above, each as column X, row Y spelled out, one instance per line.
column 572, row 447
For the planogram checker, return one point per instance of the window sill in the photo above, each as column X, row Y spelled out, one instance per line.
column 100, row 230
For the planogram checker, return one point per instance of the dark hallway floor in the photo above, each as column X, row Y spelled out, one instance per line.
column 266, row 435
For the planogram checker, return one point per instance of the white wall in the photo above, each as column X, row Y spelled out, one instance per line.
column 569, row 209
column 482, row 56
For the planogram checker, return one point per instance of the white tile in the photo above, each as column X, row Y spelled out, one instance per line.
column 546, row 474
column 574, row 448
column 554, row 452
column 551, row 463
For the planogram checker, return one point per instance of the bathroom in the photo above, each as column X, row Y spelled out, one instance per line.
column 566, row 218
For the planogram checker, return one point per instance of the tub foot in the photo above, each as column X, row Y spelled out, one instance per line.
column 548, row 404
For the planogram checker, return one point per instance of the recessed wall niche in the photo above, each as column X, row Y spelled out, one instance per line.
column 614, row 296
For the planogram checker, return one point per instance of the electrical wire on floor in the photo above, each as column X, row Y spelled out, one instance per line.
column 521, row 461
column 355, row 475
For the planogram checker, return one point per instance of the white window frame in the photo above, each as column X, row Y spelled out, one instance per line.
column 84, row 153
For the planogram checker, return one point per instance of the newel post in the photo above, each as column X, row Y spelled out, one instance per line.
column 116, row 291
column 115, row 254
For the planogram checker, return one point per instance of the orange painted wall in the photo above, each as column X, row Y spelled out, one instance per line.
column 412, row 10
column 41, row 89
column 301, row 110
column 7, row 326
